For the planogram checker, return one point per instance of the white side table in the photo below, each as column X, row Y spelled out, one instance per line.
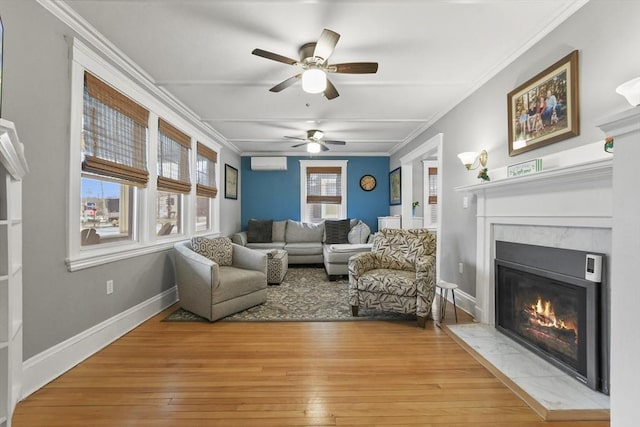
column 444, row 292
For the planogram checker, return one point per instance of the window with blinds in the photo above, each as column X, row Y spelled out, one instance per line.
column 324, row 185
column 206, row 171
column 324, row 193
column 173, row 159
column 114, row 133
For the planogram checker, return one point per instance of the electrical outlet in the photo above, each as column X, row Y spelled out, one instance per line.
column 109, row 287
column 460, row 268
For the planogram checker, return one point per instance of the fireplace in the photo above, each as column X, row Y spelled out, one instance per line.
column 544, row 302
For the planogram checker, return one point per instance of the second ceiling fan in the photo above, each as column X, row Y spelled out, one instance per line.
column 314, row 64
column 315, row 142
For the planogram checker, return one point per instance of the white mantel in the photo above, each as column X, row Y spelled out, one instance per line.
column 560, row 201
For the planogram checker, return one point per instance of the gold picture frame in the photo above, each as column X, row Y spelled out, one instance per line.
column 545, row 109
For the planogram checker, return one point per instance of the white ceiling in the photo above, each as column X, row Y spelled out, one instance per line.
column 431, row 55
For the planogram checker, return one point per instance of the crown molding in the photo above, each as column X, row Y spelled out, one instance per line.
column 96, row 40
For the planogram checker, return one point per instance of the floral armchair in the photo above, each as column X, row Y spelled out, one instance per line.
column 399, row 274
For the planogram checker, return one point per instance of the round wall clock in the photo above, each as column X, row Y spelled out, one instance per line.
column 368, row 182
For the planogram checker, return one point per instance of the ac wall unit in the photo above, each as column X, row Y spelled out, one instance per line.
column 268, row 163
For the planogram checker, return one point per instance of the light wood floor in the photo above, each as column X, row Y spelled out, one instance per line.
column 361, row 373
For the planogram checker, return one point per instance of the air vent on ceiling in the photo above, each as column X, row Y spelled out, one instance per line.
column 269, row 163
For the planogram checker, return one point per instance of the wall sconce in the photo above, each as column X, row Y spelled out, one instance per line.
column 631, row 91
column 469, row 159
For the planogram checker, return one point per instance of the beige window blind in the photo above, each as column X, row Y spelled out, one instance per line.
column 206, row 176
column 324, row 185
column 114, row 133
column 173, row 159
column 433, row 186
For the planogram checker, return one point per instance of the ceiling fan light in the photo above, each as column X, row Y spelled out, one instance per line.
column 314, row 80
column 313, row 147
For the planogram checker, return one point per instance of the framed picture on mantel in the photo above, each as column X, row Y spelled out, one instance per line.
column 545, row 109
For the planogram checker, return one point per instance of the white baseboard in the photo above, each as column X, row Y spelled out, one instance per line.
column 44, row 367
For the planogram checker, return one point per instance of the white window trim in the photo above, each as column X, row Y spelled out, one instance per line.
column 304, row 164
column 79, row 257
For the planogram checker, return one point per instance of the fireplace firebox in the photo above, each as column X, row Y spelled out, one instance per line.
column 544, row 302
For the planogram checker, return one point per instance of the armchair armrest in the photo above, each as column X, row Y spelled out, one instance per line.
column 249, row 259
column 363, row 262
column 239, row 238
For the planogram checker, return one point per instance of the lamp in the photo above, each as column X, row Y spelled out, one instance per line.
column 469, row 159
column 313, row 147
column 314, row 80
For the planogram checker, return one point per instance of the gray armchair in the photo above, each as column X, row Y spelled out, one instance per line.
column 399, row 274
column 215, row 291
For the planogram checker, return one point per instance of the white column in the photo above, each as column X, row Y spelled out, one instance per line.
column 625, row 290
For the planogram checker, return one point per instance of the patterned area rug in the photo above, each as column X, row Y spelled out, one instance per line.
column 306, row 294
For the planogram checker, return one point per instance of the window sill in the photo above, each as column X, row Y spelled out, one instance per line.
column 93, row 257
column 99, row 256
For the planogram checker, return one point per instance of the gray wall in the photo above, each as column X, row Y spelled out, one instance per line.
column 36, row 92
column 607, row 35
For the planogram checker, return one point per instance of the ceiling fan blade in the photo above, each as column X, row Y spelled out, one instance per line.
column 329, row 141
column 355, row 68
column 331, row 92
column 295, row 137
column 324, row 147
column 299, row 145
column 273, row 56
column 326, row 43
column 285, row 84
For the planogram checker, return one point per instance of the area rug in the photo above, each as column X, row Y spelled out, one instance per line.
column 306, row 294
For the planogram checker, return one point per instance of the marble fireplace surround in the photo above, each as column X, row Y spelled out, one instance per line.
column 567, row 206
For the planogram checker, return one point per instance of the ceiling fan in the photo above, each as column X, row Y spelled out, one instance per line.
column 313, row 61
column 314, row 141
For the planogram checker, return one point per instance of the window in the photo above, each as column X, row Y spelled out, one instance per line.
column 127, row 138
column 323, row 185
column 173, row 178
column 205, row 186
column 114, row 147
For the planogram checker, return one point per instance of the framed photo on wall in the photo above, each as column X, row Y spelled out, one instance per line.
column 395, row 189
column 230, row 182
column 545, row 109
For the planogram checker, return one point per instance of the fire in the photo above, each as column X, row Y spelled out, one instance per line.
column 545, row 315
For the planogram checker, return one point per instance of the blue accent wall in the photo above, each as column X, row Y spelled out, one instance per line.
column 276, row 194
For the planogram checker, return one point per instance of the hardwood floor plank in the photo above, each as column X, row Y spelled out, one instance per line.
column 357, row 373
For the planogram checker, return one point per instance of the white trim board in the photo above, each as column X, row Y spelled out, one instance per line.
column 44, row 367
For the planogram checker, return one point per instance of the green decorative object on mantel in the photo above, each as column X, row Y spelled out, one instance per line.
column 483, row 174
column 608, row 144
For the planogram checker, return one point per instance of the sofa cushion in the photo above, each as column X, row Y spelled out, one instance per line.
column 303, row 232
column 336, row 231
column 272, row 245
column 218, row 250
column 359, row 233
column 277, row 231
column 259, row 231
column 308, row 248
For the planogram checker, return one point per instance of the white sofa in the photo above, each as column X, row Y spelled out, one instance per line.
column 307, row 243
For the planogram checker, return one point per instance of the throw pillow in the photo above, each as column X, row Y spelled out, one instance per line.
column 336, row 231
column 359, row 233
column 218, row 250
column 278, row 229
column 259, row 231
